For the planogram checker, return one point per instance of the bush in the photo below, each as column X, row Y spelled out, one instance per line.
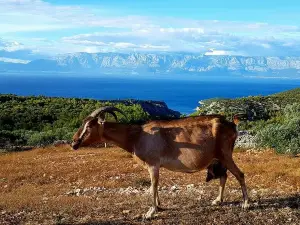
column 283, row 136
column 48, row 137
column 41, row 139
column 41, row 120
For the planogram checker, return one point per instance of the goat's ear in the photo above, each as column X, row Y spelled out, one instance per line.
column 100, row 121
column 155, row 129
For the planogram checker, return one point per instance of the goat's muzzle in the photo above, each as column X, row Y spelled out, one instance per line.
column 75, row 144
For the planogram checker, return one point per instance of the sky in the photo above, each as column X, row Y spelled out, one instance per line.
column 30, row 29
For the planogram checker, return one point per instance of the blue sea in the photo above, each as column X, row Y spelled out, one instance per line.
column 182, row 94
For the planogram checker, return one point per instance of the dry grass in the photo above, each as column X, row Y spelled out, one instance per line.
column 35, row 189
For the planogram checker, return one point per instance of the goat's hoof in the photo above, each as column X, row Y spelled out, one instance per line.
column 216, row 202
column 245, row 205
column 150, row 213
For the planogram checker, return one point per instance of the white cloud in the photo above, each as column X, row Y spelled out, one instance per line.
column 10, row 60
column 110, row 44
column 91, row 49
column 123, row 45
column 182, row 30
column 138, row 33
column 187, row 39
column 35, row 15
column 155, row 47
column 218, row 52
column 266, row 45
column 10, row 46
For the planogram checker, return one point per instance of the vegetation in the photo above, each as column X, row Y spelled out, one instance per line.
column 36, row 121
column 284, row 133
column 42, row 120
column 274, row 119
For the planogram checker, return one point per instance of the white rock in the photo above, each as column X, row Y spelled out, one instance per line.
column 253, row 192
column 126, row 211
column 174, row 188
column 190, row 186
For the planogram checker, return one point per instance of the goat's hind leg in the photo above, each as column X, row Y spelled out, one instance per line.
column 154, row 175
column 214, row 171
column 219, row 199
column 232, row 167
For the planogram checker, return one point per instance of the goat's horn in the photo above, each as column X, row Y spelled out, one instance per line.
column 107, row 109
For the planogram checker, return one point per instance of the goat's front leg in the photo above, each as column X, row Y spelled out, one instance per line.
column 154, row 175
column 219, row 199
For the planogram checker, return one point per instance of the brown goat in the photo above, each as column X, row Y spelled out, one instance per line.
column 185, row 145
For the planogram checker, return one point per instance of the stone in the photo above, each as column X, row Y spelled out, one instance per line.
column 174, row 188
column 190, row 186
column 126, row 211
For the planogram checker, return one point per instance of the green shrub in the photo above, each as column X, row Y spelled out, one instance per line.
column 284, row 135
column 42, row 120
column 292, row 111
column 41, row 138
column 48, row 137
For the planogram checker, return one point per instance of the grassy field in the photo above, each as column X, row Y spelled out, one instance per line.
column 56, row 185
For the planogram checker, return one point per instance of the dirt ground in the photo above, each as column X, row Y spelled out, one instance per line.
column 56, row 185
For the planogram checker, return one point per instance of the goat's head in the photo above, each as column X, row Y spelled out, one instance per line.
column 91, row 131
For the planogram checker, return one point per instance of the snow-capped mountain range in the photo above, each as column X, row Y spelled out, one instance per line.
column 160, row 63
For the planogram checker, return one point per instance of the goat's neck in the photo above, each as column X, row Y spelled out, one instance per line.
column 122, row 135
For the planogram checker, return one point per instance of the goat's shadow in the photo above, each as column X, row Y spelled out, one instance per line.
column 292, row 202
column 100, row 223
column 111, row 222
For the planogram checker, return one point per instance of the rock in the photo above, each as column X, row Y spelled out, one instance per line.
column 86, row 218
column 85, row 190
column 164, row 188
column 253, row 192
column 245, row 140
column 77, row 192
column 190, row 186
column 137, row 216
column 126, row 211
column 174, row 188
column 60, row 142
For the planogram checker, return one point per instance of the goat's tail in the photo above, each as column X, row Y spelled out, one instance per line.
column 216, row 170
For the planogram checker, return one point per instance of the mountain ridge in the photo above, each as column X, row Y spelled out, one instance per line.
column 160, row 63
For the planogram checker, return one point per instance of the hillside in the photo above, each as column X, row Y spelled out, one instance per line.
column 105, row 186
column 42, row 120
column 254, row 107
column 265, row 121
column 163, row 63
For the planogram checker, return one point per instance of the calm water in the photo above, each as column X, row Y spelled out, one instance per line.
column 180, row 95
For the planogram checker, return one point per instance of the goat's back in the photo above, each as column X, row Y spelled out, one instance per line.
column 193, row 129
column 187, row 144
